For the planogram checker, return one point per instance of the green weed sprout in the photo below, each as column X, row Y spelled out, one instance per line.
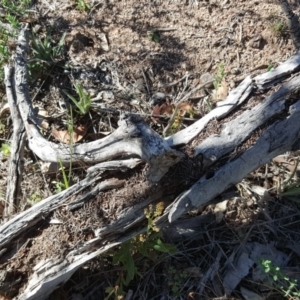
column 289, row 287
column 15, row 7
column 177, row 279
column 62, row 185
column 84, row 102
column 12, row 20
column 219, row 77
column 5, row 148
column 291, row 188
column 154, row 36
column 45, row 54
column 146, row 245
column 83, row 5
column 13, row 10
column 35, row 198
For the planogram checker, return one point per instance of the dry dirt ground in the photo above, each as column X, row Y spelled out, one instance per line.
column 141, row 57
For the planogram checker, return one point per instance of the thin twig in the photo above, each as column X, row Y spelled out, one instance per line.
column 145, row 78
column 174, row 83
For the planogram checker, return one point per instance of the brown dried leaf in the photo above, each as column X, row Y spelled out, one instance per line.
column 4, row 109
column 164, row 109
column 64, row 135
column 185, row 106
column 222, row 92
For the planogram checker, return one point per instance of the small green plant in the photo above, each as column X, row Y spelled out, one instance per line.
column 219, row 77
column 12, row 20
column 35, row 198
column 270, row 67
column 154, row 36
column 62, row 185
column 288, row 286
column 5, row 149
column 147, row 245
column 4, row 50
column 176, row 281
column 13, row 10
column 2, row 127
column 277, row 24
column 280, row 28
column 17, row 8
column 83, row 5
column 84, row 102
column 45, row 53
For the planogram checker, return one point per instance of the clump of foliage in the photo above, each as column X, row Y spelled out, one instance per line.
column 36, row 197
column 219, row 77
column 288, row 286
column 154, row 36
column 278, row 25
column 147, row 245
column 83, row 5
column 84, row 102
column 5, row 149
column 45, row 53
column 13, row 11
column 176, row 281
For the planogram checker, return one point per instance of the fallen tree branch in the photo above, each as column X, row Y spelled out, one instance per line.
column 15, row 171
column 111, row 204
column 282, row 136
column 132, row 137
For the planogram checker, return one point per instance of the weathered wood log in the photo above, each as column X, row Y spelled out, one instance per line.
column 15, row 171
column 245, row 131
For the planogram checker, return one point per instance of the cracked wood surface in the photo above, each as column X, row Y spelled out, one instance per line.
column 14, row 177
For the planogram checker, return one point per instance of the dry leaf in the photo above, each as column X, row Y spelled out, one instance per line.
column 219, row 210
column 47, row 167
column 164, row 109
column 168, row 109
column 41, row 122
column 185, row 107
column 103, row 41
column 4, row 109
column 64, row 135
column 221, row 93
column 4, row 297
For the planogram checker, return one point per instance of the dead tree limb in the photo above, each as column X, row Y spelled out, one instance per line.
column 15, row 171
column 250, row 131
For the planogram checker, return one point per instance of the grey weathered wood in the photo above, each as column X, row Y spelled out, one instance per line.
column 14, row 178
column 28, row 218
column 132, row 137
column 282, row 136
column 114, row 165
column 268, row 79
column 235, row 97
column 239, row 129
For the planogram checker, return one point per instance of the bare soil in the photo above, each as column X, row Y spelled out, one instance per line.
column 134, row 56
